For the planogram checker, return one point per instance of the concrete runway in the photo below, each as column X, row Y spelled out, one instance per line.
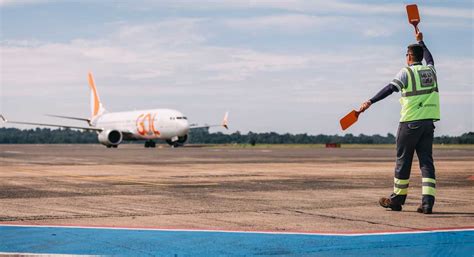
column 292, row 189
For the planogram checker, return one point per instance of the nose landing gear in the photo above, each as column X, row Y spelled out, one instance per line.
column 173, row 144
column 177, row 141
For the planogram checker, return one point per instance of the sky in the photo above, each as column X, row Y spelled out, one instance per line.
column 285, row 66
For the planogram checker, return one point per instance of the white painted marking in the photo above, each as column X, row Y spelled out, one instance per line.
column 44, row 254
column 421, row 231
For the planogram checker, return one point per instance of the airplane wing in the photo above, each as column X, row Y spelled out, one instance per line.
column 68, row 117
column 128, row 135
column 223, row 124
column 49, row 125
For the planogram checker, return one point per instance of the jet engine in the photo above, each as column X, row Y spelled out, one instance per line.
column 181, row 141
column 110, row 138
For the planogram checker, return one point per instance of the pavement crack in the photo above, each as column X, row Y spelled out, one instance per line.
column 353, row 219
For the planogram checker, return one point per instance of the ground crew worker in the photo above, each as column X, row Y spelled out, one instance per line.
column 420, row 108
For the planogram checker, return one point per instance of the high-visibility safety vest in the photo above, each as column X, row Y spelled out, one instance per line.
column 420, row 98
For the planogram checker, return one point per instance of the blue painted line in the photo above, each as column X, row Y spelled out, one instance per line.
column 141, row 242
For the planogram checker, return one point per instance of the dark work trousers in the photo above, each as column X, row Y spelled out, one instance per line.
column 415, row 136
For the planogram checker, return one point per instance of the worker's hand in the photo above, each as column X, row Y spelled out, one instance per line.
column 419, row 36
column 365, row 105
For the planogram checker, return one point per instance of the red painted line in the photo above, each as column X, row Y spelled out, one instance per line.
column 471, row 177
column 374, row 232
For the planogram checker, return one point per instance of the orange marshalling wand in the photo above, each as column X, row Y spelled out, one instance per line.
column 349, row 119
column 413, row 16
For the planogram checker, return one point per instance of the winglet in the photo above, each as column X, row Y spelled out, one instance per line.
column 225, row 122
column 3, row 118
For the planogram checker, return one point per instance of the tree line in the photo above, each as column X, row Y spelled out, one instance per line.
column 202, row 136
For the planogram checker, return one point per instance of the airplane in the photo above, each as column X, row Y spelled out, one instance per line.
column 113, row 128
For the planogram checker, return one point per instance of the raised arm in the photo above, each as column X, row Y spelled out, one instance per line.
column 426, row 53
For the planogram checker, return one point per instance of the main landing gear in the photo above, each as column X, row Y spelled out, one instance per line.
column 150, row 143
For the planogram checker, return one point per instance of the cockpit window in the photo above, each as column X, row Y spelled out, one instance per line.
column 181, row 118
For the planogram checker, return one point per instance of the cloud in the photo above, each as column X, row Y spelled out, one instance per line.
column 447, row 12
column 183, row 63
column 13, row 2
column 338, row 8
column 239, row 64
column 171, row 32
column 50, row 65
column 295, row 23
column 4, row 3
column 159, row 61
column 303, row 24
column 377, row 32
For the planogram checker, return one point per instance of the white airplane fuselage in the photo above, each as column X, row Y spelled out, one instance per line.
column 165, row 124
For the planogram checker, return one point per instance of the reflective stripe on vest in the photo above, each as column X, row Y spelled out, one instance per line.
column 414, row 86
column 420, row 98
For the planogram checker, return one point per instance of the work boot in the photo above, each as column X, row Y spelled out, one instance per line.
column 387, row 203
column 424, row 210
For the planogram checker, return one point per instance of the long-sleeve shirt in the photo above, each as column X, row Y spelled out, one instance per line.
column 401, row 79
column 426, row 54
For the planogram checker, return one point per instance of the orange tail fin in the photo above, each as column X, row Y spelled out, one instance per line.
column 96, row 106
